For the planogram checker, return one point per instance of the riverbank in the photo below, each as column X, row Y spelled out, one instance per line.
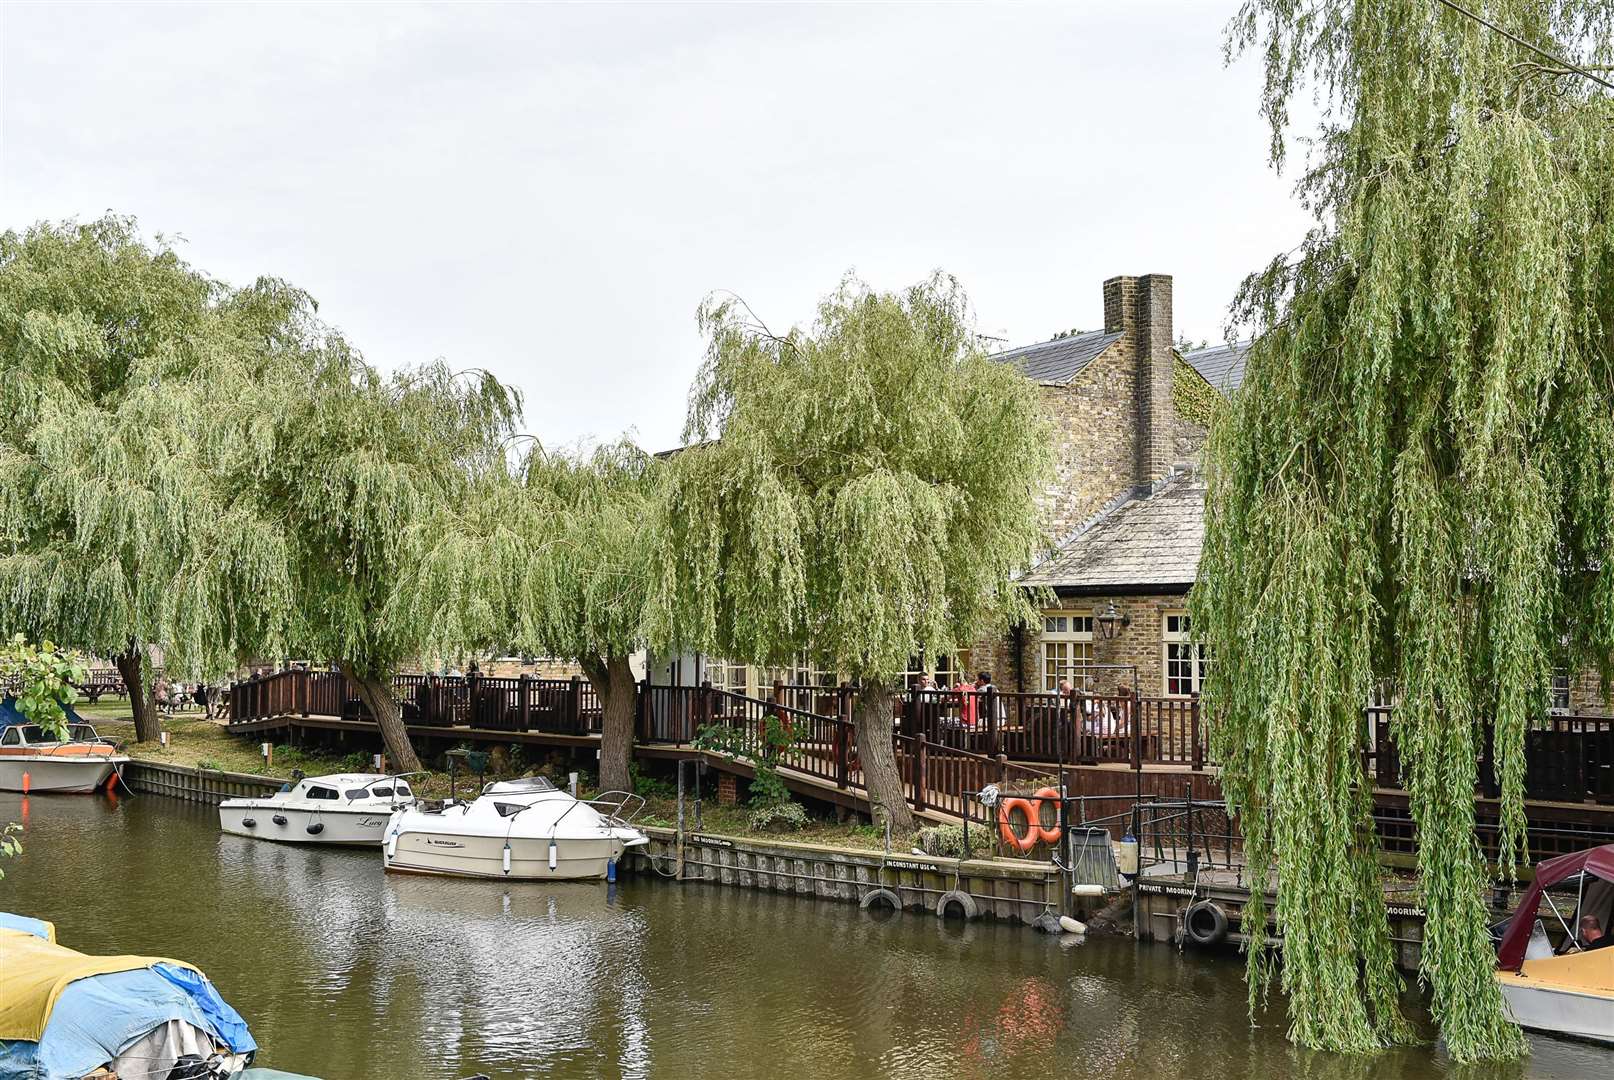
column 194, row 742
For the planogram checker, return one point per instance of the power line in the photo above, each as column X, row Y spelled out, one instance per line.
column 1516, row 39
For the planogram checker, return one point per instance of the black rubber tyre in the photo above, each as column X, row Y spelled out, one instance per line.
column 956, row 901
column 880, row 898
column 1205, row 924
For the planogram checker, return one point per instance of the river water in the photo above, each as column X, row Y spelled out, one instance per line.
column 346, row 973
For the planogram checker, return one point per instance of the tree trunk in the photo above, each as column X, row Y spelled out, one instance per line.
column 131, row 666
column 377, row 697
column 871, row 717
column 612, row 680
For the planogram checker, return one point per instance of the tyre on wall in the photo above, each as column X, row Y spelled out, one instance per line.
column 875, row 899
column 1205, row 924
column 956, row 902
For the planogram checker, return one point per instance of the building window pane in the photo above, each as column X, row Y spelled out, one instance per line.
column 1067, row 650
column 1186, row 663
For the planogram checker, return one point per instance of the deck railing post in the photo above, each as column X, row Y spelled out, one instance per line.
column 707, row 708
column 841, row 770
column 524, row 700
column 1199, row 750
column 989, row 702
column 644, row 710
column 574, row 706
column 920, row 760
column 1136, row 718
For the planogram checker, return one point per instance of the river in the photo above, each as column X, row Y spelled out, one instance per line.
column 347, row 973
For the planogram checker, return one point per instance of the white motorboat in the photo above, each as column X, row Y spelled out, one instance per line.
column 522, row 829
column 343, row 808
column 32, row 760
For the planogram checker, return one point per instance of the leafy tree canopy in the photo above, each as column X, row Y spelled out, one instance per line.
column 1413, row 492
column 859, row 491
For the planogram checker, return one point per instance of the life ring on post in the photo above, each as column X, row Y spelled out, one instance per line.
column 1006, row 825
column 1048, row 834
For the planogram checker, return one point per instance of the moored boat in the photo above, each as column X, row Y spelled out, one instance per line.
column 1556, row 969
column 521, row 829
column 342, row 808
column 65, row 1014
column 33, row 760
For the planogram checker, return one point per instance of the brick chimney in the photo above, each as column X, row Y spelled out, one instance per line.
column 1140, row 308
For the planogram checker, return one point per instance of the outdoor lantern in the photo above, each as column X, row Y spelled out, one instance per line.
column 1109, row 619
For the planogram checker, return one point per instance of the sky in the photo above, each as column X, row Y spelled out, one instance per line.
column 549, row 191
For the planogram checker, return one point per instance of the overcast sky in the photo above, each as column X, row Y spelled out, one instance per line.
column 548, row 191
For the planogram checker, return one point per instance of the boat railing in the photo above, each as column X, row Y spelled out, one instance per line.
column 618, row 808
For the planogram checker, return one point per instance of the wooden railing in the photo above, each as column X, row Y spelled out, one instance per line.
column 956, row 737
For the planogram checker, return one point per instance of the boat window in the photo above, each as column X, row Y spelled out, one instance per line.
column 381, row 792
column 403, row 789
column 509, row 809
column 28, row 733
column 81, row 731
column 316, row 792
column 357, row 793
column 12, row 737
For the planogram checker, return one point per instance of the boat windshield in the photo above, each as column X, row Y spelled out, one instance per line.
column 526, row 785
column 24, row 733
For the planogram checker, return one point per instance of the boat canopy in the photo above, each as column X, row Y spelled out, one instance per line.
column 63, row 1013
column 1597, row 861
column 10, row 715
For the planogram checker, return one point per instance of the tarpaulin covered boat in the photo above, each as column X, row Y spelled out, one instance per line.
column 34, row 760
column 64, row 1014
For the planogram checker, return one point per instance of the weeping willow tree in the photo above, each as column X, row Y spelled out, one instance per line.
column 123, row 370
column 859, row 492
column 353, row 467
column 552, row 557
column 1413, row 491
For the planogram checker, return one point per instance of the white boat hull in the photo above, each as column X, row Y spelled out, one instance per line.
column 297, row 826
column 575, row 859
column 55, row 773
column 1559, row 1010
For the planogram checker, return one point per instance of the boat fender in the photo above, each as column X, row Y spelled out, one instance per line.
column 250, row 823
column 1205, row 923
column 876, row 897
column 316, row 828
column 956, row 901
column 507, row 857
column 1072, row 926
column 392, row 844
column 1048, row 923
column 27, row 782
column 610, row 871
column 279, row 819
column 1086, row 889
column 1126, row 857
column 554, row 855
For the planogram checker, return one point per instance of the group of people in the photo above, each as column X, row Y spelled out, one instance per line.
column 172, row 697
column 973, row 699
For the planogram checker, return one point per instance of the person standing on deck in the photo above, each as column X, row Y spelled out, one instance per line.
column 966, row 702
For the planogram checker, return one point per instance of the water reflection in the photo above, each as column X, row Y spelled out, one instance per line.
column 345, row 972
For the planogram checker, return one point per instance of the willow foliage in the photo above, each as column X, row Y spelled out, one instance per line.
column 125, row 375
column 859, row 491
column 1413, row 492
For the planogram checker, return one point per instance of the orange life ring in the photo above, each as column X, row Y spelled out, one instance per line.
column 1048, row 834
column 1006, row 827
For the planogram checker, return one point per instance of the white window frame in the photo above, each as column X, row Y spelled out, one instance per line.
column 1074, row 631
column 1560, row 690
column 1198, row 656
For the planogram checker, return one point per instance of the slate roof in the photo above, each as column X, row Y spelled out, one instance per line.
column 1221, row 365
column 1060, row 360
column 1146, row 542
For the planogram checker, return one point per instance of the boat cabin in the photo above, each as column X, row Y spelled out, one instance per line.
column 351, row 788
column 18, row 735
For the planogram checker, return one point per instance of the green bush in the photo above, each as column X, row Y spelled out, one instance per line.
column 778, row 817
column 944, row 840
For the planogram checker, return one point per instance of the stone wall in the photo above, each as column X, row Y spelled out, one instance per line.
column 1095, row 439
column 1138, row 642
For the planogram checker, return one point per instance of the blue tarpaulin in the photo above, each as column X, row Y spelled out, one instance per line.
column 96, row 1017
column 9, row 714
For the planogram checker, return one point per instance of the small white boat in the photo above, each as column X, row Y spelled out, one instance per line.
column 33, row 761
column 520, row 829
column 343, row 808
column 1567, row 988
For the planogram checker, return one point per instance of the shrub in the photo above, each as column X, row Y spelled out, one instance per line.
column 944, row 840
column 778, row 817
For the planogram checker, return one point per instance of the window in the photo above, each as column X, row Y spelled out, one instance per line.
column 317, row 792
column 12, row 737
column 379, row 793
column 357, row 793
column 1186, row 663
column 1067, row 650
column 735, row 678
column 1559, row 699
column 403, row 789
